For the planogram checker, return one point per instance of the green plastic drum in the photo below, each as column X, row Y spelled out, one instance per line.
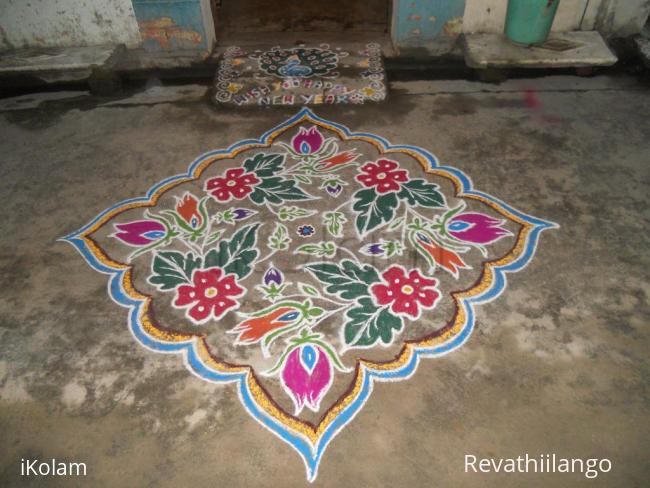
column 529, row 21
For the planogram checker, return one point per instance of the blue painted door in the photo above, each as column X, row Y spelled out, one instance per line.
column 424, row 22
column 170, row 25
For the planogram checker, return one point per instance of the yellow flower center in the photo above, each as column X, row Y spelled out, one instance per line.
column 231, row 183
column 211, row 292
column 407, row 289
column 381, row 176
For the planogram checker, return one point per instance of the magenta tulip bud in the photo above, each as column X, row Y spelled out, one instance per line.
column 477, row 228
column 307, row 376
column 140, row 232
column 307, row 141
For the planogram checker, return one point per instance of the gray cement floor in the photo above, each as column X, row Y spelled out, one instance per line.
column 558, row 364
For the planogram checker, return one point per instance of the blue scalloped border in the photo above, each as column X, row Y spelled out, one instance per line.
column 311, row 454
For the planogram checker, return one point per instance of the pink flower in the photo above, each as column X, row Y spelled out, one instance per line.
column 383, row 175
column 307, row 376
column 307, row 141
column 210, row 296
column 406, row 293
column 236, row 183
column 139, row 232
column 477, row 228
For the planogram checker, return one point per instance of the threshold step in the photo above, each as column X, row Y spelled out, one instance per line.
column 302, row 74
column 577, row 49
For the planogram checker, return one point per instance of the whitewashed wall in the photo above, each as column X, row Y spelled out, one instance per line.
column 51, row 23
column 622, row 18
column 610, row 17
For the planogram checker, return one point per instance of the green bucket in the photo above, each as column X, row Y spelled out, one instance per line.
column 529, row 21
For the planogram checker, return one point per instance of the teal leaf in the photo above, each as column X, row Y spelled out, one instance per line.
column 373, row 209
column 242, row 250
column 349, row 280
column 276, row 190
column 367, row 323
column 219, row 257
column 172, row 268
column 419, row 192
column 264, row 165
column 237, row 254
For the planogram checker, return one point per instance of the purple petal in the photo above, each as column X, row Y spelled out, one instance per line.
column 375, row 249
column 333, row 190
column 273, row 275
column 242, row 213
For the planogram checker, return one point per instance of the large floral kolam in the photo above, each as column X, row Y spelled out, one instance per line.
column 306, row 265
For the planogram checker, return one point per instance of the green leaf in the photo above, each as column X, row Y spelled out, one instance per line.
column 264, row 165
column 279, row 240
column 309, row 290
column 271, row 292
column 334, row 223
column 237, row 254
column 368, row 324
column 303, row 179
column 322, row 249
column 213, row 237
column 228, row 217
column 292, row 213
column 419, row 192
column 373, row 209
column 316, row 312
column 349, row 280
column 393, row 248
column 396, row 223
column 172, row 268
column 276, row 190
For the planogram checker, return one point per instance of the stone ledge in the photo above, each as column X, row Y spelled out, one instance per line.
column 579, row 49
column 26, row 61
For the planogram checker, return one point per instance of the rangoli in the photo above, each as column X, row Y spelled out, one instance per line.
column 306, row 265
column 300, row 75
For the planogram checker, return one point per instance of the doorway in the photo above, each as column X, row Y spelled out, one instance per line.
column 236, row 17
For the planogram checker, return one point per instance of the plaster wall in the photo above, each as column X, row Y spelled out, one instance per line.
column 622, row 18
column 611, row 17
column 63, row 23
column 490, row 15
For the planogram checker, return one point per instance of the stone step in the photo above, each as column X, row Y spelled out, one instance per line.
column 303, row 74
column 56, row 64
column 642, row 42
column 578, row 49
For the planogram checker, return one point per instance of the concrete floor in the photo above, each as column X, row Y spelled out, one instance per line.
column 558, row 364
